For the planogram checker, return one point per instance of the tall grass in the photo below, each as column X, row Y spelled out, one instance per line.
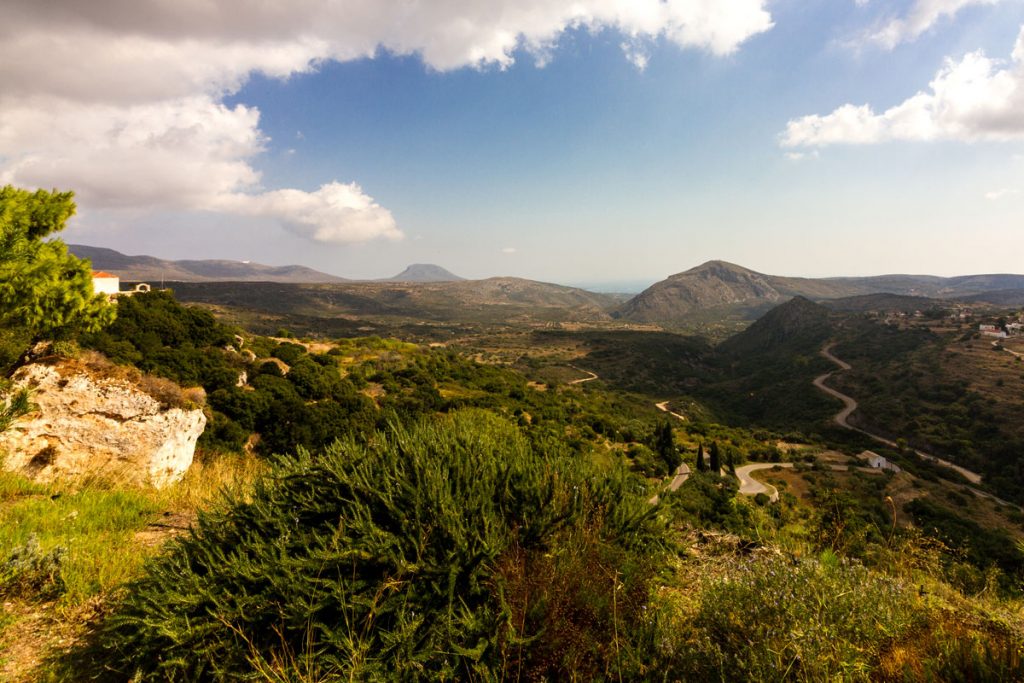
column 91, row 525
column 770, row 617
column 92, row 531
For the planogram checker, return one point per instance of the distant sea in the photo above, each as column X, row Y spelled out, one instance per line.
column 613, row 286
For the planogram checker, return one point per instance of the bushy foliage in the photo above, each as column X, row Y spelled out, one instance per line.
column 709, row 500
column 13, row 404
column 416, row 557
column 29, row 570
column 977, row 546
column 43, row 288
column 772, row 618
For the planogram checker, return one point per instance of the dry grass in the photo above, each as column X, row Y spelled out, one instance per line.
column 99, row 368
column 110, row 526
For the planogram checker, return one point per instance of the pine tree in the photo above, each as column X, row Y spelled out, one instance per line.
column 716, row 461
column 43, row 288
column 700, row 458
column 730, row 460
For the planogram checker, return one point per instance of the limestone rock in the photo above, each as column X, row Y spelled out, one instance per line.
column 93, row 426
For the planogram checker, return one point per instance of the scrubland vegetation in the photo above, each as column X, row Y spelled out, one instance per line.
column 374, row 509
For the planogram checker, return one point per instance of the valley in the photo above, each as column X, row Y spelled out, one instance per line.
column 755, row 438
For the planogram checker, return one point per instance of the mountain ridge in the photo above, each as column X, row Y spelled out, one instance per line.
column 727, row 287
column 150, row 268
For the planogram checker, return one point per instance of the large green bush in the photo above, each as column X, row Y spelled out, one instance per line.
column 448, row 550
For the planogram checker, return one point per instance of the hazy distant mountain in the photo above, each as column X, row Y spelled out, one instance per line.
column 726, row 287
column 885, row 302
column 425, row 272
column 150, row 269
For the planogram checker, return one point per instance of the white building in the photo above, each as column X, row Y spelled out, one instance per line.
column 105, row 283
column 992, row 331
column 878, row 462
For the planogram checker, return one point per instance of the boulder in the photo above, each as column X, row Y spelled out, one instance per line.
column 85, row 425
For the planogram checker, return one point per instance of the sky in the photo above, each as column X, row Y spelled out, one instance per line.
column 591, row 142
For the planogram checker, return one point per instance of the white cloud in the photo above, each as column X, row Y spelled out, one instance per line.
column 123, row 101
column 334, row 214
column 976, row 98
column 509, row 250
column 923, row 15
column 996, row 195
column 801, row 156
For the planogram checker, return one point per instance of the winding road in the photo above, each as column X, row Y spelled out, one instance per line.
column 663, row 407
column 849, row 405
column 593, row 376
column 996, row 345
column 751, row 487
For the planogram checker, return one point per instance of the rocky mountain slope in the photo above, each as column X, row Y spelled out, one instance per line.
column 717, row 286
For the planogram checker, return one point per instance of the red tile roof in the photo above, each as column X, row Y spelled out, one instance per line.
column 102, row 274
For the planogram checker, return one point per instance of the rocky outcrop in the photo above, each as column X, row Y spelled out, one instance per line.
column 86, row 425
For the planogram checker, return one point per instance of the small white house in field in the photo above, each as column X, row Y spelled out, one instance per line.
column 105, row 283
column 992, row 331
column 877, row 462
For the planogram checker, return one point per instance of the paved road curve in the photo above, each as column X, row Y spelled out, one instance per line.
column 751, row 487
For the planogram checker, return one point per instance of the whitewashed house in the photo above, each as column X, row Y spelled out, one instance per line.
column 992, row 331
column 105, row 283
column 878, row 462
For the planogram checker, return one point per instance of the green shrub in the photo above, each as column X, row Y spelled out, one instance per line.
column 31, row 572
column 93, row 524
column 407, row 559
column 772, row 618
column 66, row 349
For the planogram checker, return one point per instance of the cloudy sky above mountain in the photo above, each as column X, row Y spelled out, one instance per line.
column 584, row 141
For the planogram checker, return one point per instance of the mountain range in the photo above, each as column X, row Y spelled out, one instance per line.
column 715, row 289
column 152, row 269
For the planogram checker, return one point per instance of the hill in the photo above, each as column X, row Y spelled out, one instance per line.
column 724, row 289
column 885, row 302
column 797, row 326
column 151, row 269
column 495, row 300
column 721, row 286
column 425, row 272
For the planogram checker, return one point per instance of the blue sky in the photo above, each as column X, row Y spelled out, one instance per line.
column 641, row 145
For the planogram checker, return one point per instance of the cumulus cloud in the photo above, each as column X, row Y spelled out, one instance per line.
column 509, row 250
column 923, row 15
column 996, row 195
column 124, row 100
column 973, row 99
column 336, row 213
